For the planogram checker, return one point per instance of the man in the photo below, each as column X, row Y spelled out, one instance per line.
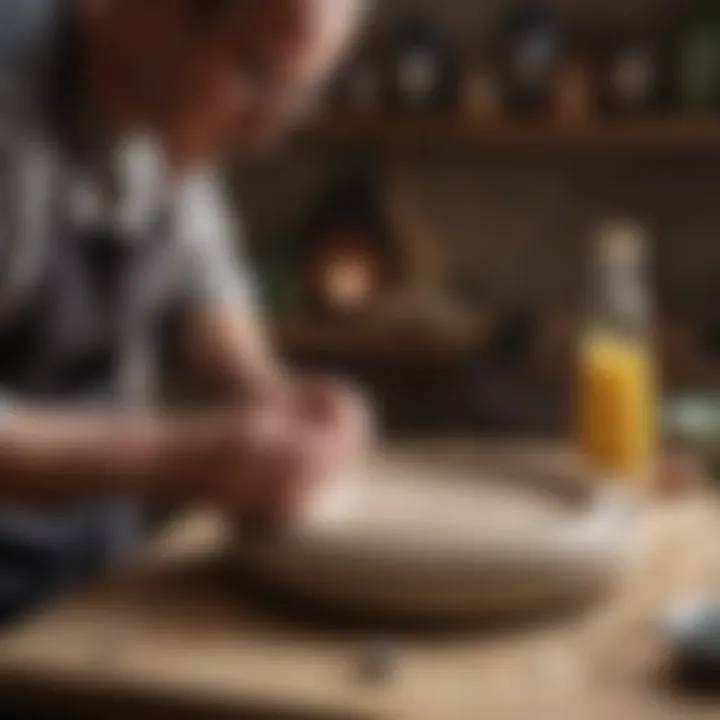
column 112, row 116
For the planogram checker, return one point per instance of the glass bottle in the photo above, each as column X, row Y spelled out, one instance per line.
column 616, row 393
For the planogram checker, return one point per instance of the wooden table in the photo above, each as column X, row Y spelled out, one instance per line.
column 176, row 635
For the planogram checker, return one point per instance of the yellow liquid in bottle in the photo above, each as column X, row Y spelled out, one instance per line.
column 616, row 406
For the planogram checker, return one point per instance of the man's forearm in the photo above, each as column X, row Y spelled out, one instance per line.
column 234, row 459
column 55, row 457
column 231, row 354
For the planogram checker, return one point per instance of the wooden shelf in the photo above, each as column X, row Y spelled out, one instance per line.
column 379, row 342
column 393, row 132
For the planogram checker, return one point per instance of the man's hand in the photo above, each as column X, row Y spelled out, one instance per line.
column 284, row 434
column 261, row 461
column 341, row 409
column 265, row 460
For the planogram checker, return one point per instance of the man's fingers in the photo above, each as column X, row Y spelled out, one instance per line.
column 298, row 446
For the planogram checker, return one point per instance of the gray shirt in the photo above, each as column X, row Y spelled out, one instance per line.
column 122, row 189
column 63, row 333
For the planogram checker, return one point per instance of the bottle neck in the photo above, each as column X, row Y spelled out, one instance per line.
column 620, row 302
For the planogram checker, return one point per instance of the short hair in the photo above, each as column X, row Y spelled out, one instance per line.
column 205, row 12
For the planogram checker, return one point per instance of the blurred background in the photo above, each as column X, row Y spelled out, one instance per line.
column 427, row 232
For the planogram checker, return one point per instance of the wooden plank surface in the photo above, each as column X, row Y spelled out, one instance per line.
column 178, row 634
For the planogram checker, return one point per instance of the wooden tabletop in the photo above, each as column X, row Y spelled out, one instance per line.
column 178, row 635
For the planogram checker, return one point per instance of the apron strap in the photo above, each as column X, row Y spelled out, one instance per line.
column 30, row 202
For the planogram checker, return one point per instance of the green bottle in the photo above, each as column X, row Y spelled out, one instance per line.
column 698, row 72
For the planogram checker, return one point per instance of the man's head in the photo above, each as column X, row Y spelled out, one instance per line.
column 210, row 74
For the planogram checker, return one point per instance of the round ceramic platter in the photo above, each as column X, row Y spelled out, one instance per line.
column 451, row 532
